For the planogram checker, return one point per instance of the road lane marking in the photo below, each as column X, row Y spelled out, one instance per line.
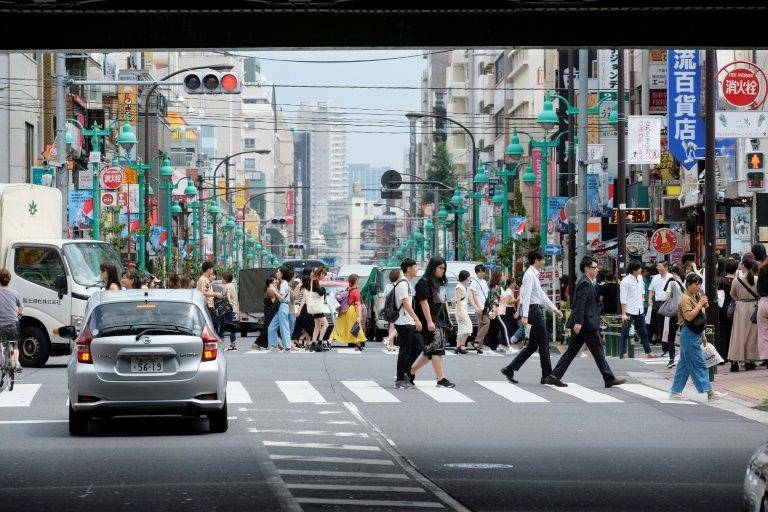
column 374, row 488
column 343, row 474
column 237, row 394
column 336, row 422
column 300, row 391
column 442, row 395
column 511, row 392
column 324, row 446
column 370, row 503
column 309, row 432
column 348, row 351
column 588, row 395
column 21, row 396
column 652, row 393
column 369, row 391
column 30, row 422
column 334, row 460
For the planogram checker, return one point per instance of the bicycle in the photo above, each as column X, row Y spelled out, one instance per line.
column 7, row 367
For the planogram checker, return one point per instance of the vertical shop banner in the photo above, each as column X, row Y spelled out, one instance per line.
column 128, row 109
column 555, row 210
column 721, row 232
column 607, row 69
column 290, row 208
column 741, row 229
column 536, row 189
column 80, row 209
column 686, row 129
column 594, row 198
column 643, row 140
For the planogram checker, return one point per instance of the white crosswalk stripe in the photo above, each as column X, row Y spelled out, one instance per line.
column 443, row 395
column 652, row 393
column 236, row 393
column 300, row 391
column 21, row 396
column 588, row 395
column 370, row 392
column 511, row 392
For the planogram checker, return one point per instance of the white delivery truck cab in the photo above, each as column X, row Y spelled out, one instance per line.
column 54, row 276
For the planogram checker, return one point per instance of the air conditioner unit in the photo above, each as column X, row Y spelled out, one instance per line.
column 670, row 209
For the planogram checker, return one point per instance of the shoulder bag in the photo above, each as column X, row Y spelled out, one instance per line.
column 315, row 303
column 669, row 307
column 753, row 318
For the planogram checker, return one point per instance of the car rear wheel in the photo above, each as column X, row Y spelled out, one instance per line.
column 217, row 421
column 78, row 422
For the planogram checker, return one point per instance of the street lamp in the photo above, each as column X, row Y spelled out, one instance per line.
column 458, row 210
column 247, row 203
column 471, row 168
column 126, row 140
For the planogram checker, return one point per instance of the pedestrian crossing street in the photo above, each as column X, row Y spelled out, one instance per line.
column 373, row 392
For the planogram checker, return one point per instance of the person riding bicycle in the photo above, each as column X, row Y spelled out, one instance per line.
column 11, row 310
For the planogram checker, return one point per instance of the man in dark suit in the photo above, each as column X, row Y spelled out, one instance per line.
column 584, row 322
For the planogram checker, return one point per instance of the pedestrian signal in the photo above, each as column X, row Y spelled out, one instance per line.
column 755, row 160
column 755, row 181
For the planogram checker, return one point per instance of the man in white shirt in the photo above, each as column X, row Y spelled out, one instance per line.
column 533, row 300
column 631, row 299
column 406, row 325
column 656, row 297
column 478, row 293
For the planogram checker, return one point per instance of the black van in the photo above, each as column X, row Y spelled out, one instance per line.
column 299, row 265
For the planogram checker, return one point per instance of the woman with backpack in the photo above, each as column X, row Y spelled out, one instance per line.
column 463, row 322
column 674, row 289
column 348, row 328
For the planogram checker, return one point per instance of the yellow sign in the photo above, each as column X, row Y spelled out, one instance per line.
column 131, row 176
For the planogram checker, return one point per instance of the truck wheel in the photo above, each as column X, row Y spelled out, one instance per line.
column 34, row 348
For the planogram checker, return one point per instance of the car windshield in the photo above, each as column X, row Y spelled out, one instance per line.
column 123, row 318
column 84, row 260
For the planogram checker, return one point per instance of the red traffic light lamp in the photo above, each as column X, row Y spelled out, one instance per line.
column 212, row 82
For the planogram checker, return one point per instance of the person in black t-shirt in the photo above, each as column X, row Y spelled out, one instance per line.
column 433, row 315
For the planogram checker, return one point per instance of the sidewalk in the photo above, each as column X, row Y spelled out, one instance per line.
column 750, row 386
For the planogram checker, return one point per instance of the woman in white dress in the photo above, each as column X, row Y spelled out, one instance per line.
column 463, row 322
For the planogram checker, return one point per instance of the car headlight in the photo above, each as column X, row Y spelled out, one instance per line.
column 76, row 320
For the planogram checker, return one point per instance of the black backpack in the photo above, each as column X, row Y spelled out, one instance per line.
column 391, row 310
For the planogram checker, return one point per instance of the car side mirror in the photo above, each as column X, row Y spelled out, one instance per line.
column 60, row 283
column 67, row 331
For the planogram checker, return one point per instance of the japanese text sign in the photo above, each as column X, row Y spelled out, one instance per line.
column 686, row 130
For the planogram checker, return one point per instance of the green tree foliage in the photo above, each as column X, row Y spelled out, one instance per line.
column 441, row 168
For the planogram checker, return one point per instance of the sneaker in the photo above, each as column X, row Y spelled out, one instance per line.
column 511, row 351
column 715, row 396
column 675, row 396
column 401, row 384
column 671, row 364
column 231, row 348
column 255, row 346
column 445, row 383
column 651, row 355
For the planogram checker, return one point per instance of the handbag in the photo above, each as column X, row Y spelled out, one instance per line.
column 315, row 303
column 355, row 329
column 698, row 324
column 222, row 307
column 669, row 307
column 730, row 310
column 753, row 318
column 711, row 356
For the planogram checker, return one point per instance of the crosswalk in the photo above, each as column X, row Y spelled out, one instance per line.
column 369, row 391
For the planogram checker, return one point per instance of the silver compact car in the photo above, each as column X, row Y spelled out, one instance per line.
column 146, row 352
column 756, row 481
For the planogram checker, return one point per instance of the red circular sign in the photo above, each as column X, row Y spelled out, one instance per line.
column 741, row 87
column 108, row 199
column 112, row 178
column 664, row 240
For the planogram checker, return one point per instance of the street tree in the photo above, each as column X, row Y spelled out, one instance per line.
column 441, row 168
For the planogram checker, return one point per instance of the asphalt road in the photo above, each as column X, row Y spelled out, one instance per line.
column 328, row 432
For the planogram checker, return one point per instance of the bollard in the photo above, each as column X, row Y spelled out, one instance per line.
column 709, row 332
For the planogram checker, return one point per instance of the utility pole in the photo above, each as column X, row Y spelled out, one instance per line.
column 710, row 189
column 62, row 174
column 571, row 176
column 583, row 140
column 412, row 164
column 620, row 199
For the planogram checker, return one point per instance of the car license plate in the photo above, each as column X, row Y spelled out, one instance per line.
column 147, row 364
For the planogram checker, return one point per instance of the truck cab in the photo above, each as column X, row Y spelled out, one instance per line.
column 54, row 276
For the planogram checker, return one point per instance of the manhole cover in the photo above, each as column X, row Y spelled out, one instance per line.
column 477, row 465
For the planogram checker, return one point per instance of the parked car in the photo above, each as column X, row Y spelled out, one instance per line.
column 145, row 352
column 363, row 271
column 756, row 481
column 299, row 265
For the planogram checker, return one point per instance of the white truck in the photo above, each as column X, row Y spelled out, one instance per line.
column 54, row 276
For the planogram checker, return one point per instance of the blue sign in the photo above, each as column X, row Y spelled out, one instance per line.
column 686, row 129
column 553, row 250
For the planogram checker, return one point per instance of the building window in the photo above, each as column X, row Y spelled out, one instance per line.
column 249, row 163
column 29, row 149
column 249, row 122
column 498, row 68
column 207, row 131
column 498, row 121
column 249, row 143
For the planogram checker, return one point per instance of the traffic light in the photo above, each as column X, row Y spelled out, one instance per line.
column 755, row 160
column 211, row 82
column 278, row 221
column 755, row 181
